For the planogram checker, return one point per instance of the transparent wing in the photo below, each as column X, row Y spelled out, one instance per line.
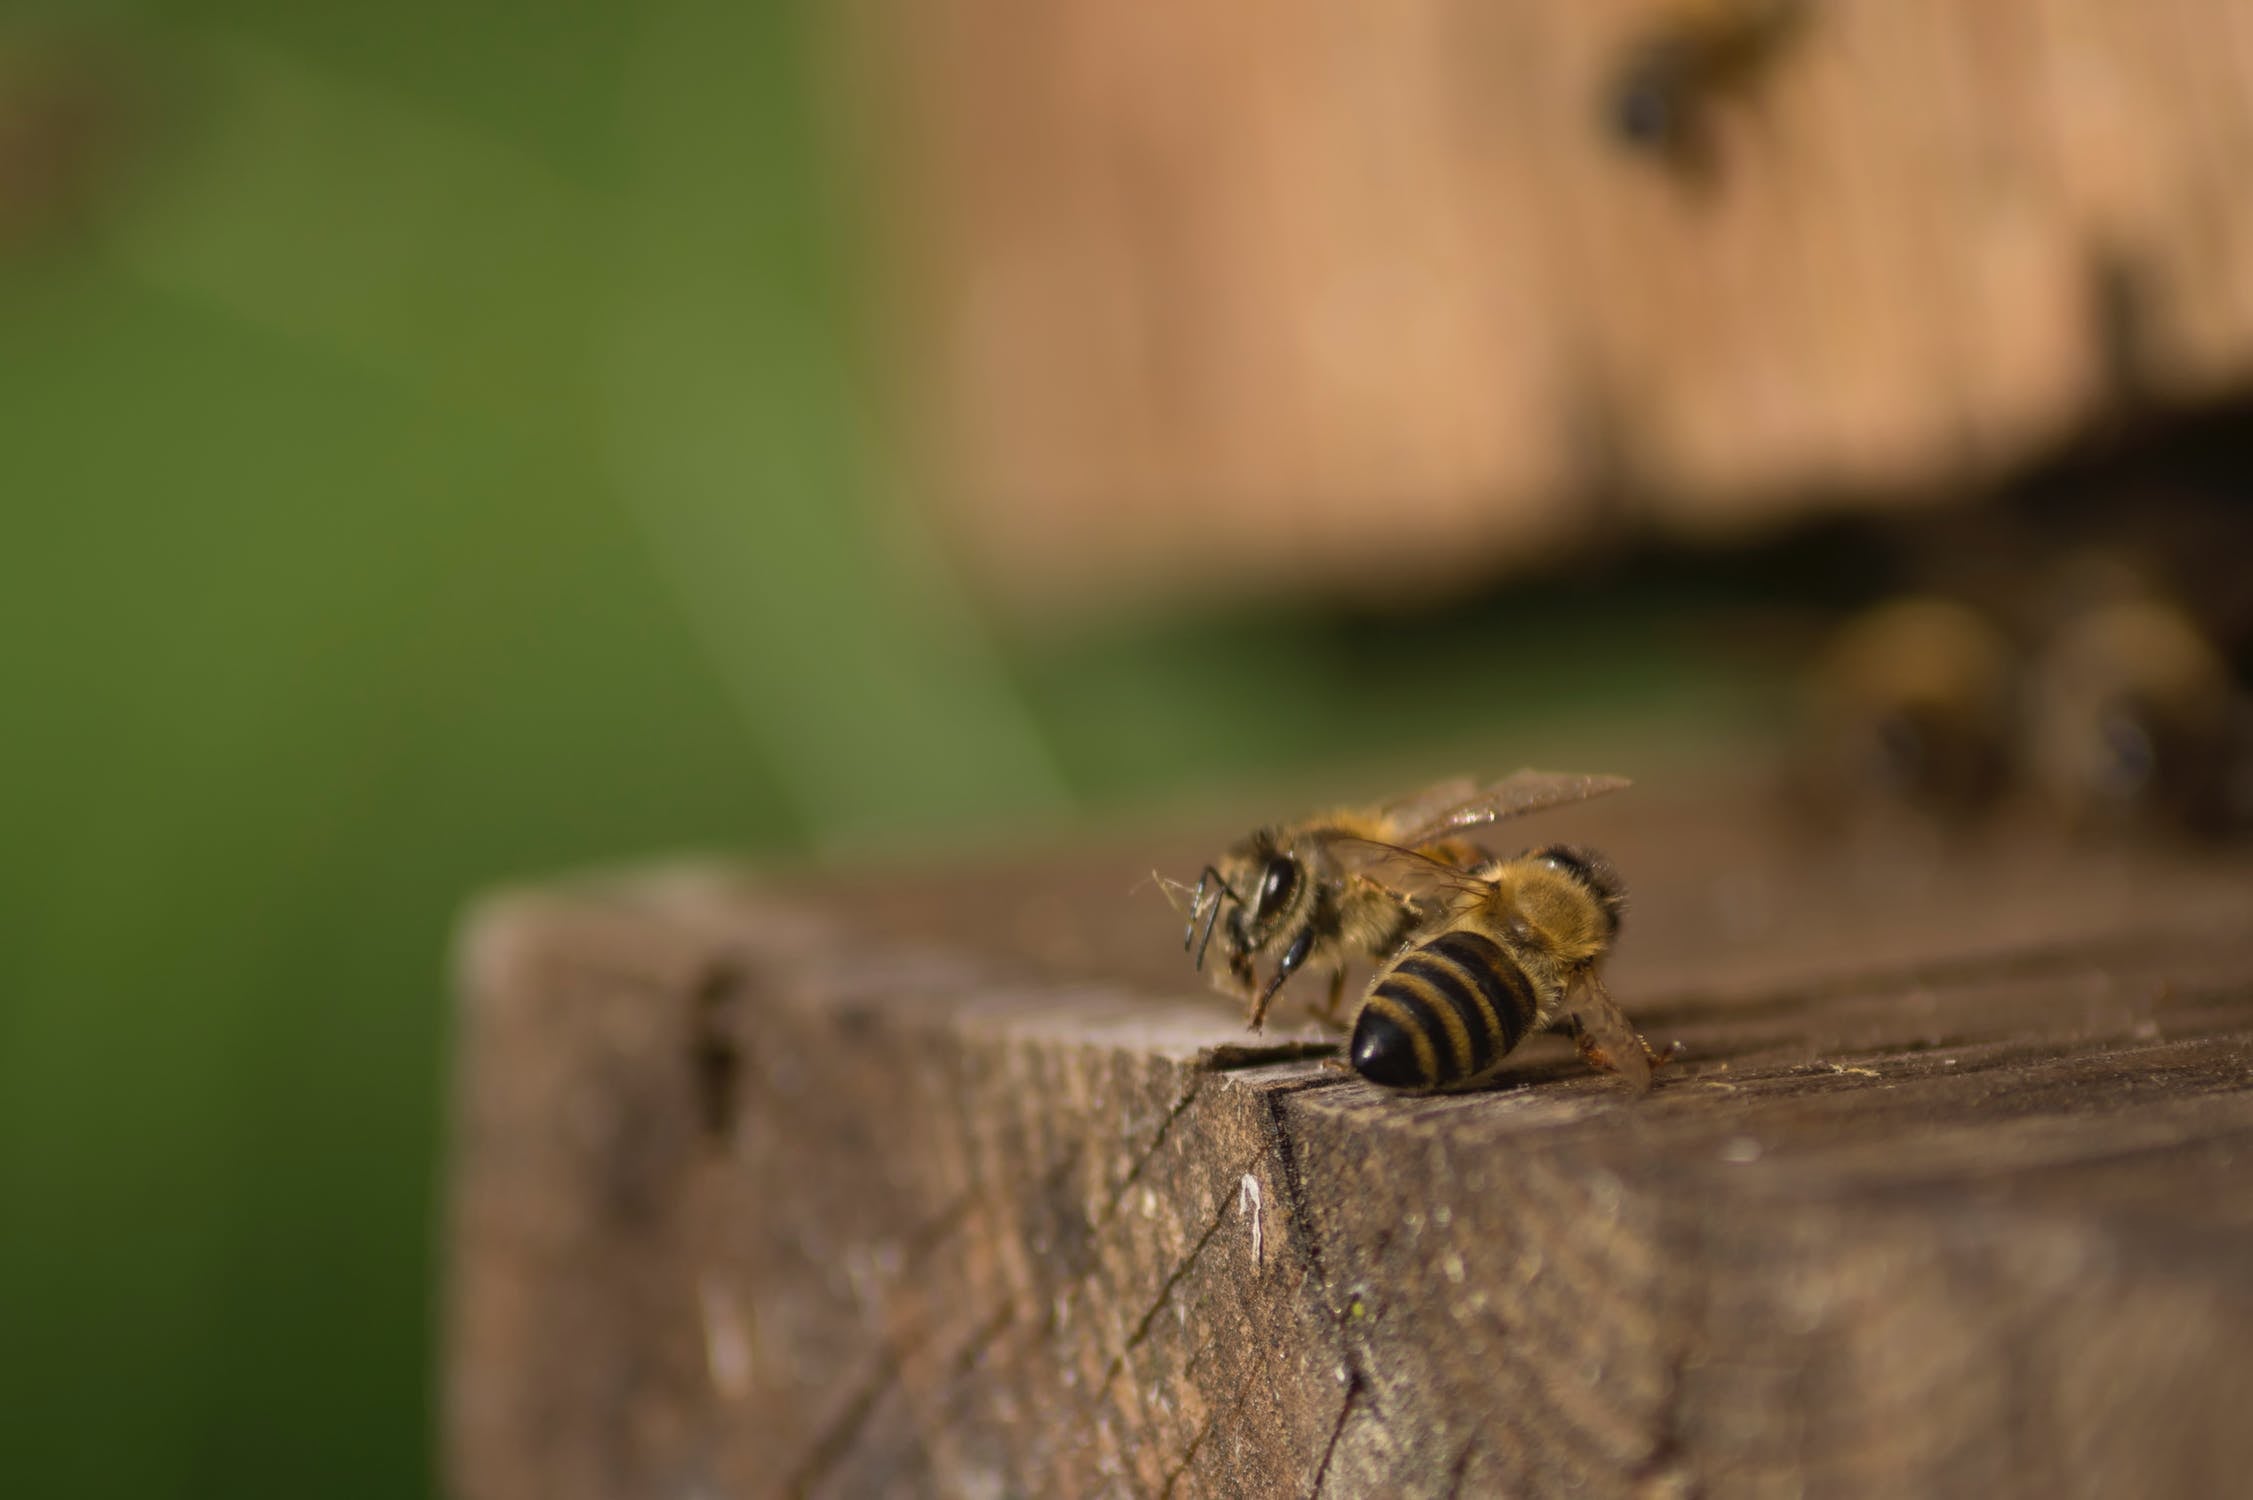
column 1409, row 871
column 1420, row 807
column 1512, row 797
column 1607, row 1039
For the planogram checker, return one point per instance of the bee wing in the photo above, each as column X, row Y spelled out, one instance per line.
column 1512, row 797
column 1420, row 807
column 1607, row 1038
column 1409, row 871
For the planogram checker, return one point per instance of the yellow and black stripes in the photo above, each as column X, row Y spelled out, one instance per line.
column 1444, row 1013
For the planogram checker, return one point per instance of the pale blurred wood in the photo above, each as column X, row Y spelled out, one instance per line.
column 1206, row 298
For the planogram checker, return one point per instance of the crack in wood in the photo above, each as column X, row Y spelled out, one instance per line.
column 1189, row 1455
column 1080, row 1277
column 926, row 1240
column 1319, row 1083
column 1150, row 1152
column 1083, row 1280
column 1294, row 1196
column 1212, row 1418
column 1330, row 1449
column 1919, row 1061
column 836, row 1437
column 1165, row 1293
column 1461, row 1467
column 962, row 1388
column 1232, row 1057
column 980, row 1340
column 2028, row 961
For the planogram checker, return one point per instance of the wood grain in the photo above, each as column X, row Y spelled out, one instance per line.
column 954, row 1184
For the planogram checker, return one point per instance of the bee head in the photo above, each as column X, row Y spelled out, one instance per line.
column 1648, row 104
column 1270, row 879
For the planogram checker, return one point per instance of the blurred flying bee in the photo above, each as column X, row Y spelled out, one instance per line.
column 1911, row 707
column 2132, row 716
column 68, row 111
column 1661, row 93
column 1514, row 947
column 1308, row 893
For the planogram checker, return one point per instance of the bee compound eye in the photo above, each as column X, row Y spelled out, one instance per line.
column 1566, row 861
column 1277, row 882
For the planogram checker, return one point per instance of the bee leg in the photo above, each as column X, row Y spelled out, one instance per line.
column 1222, row 893
column 1332, row 1012
column 1196, row 909
column 1607, row 1041
column 1592, row 1051
column 1594, row 1054
column 1292, row 958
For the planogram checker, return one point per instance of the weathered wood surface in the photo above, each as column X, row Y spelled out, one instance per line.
column 1270, row 296
column 954, row 1184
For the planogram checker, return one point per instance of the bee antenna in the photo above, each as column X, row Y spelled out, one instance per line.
column 1172, row 890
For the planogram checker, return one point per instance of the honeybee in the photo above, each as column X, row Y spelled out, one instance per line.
column 1911, row 707
column 1661, row 92
column 1515, row 947
column 1309, row 893
column 2132, row 716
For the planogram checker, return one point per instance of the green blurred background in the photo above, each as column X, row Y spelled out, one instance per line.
column 433, row 455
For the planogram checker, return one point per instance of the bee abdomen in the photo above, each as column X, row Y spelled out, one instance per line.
column 1443, row 1014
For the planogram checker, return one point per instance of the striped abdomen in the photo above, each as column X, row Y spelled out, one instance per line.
column 1444, row 1014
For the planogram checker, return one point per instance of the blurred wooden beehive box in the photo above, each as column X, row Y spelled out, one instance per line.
column 1276, row 297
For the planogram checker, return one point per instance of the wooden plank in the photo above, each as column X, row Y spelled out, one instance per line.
column 953, row 1183
column 1272, row 297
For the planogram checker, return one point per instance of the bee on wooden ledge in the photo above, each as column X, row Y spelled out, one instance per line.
column 1516, row 948
column 1474, row 953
